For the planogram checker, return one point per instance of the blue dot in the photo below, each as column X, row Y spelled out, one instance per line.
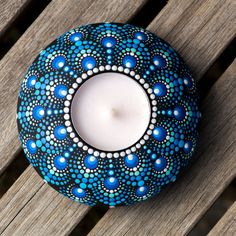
column 159, row 133
column 108, row 42
column 60, row 132
column 31, row 81
column 188, row 82
column 188, row 146
column 60, row 91
column 88, row 63
column 58, row 62
column 160, row 89
column 160, row 164
column 31, row 146
column 179, row 113
column 129, row 61
column 111, row 183
column 76, row 37
column 131, row 160
column 91, row 162
column 78, row 192
column 142, row 191
column 38, row 112
column 159, row 61
column 140, row 35
column 60, row 162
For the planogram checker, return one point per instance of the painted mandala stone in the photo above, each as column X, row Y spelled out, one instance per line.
column 73, row 167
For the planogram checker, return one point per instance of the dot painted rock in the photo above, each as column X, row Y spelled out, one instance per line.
column 80, row 171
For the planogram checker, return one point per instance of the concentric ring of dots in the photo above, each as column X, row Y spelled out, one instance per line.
column 80, row 171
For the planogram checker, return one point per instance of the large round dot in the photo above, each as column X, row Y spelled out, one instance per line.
column 111, row 183
column 159, row 89
column 131, row 160
column 88, row 63
column 179, row 113
column 60, row 162
column 122, row 107
column 129, row 61
column 38, row 112
column 108, row 42
column 140, row 35
column 78, row 192
column 60, row 91
column 31, row 81
column 188, row 146
column 159, row 133
column 76, row 36
column 159, row 61
column 91, row 162
column 142, row 191
column 60, row 132
column 31, row 146
column 160, row 164
column 58, row 62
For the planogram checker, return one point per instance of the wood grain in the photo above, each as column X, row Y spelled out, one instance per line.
column 227, row 224
column 9, row 11
column 58, row 17
column 176, row 210
column 198, row 30
column 31, row 207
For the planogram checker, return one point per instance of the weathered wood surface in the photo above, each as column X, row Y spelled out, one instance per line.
column 227, row 224
column 198, row 30
column 176, row 210
column 30, row 206
column 58, row 17
column 9, row 11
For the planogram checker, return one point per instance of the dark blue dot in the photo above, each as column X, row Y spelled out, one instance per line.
column 58, row 62
column 108, row 42
column 179, row 112
column 91, row 162
column 188, row 82
column 31, row 81
column 88, row 63
column 78, row 192
column 60, row 162
column 38, row 112
column 111, row 183
column 142, row 191
column 160, row 164
column 131, row 160
column 60, row 132
column 76, row 37
column 140, row 35
column 159, row 133
column 160, row 89
column 129, row 61
column 60, row 91
column 31, row 146
column 188, row 146
column 159, row 61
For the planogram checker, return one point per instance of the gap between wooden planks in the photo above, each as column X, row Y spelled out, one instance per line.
column 178, row 14
column 177, row 209
column 199, row 30
column 9, row 11
column 227, row 224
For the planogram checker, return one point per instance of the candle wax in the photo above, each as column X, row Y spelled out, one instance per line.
column 110, row 111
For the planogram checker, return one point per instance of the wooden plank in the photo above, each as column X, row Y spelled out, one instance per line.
column 9, row 11
column 176, row 210
column 227, row 224
column 199, row 30
column 57, row 18
column 42, row 205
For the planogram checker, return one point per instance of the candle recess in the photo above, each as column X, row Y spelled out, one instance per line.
column 108, row 114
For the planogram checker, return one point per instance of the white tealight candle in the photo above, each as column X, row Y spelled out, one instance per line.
column 110, row 111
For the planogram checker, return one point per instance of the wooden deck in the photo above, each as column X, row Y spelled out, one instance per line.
column 200, row 30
